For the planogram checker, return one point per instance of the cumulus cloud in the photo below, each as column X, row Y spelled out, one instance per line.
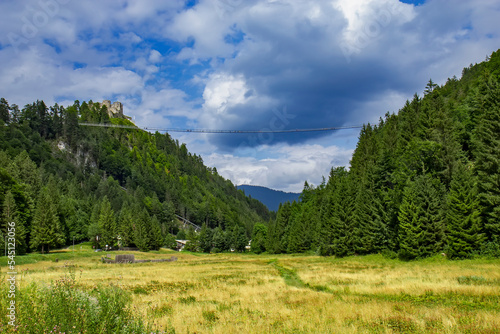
column 325, row 61
column 155, row 56
column 224, row 91
column 287, row 170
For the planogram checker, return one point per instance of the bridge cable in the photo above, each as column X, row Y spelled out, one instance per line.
column 109, row 125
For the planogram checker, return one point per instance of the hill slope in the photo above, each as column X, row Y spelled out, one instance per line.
column 269, row 197
column 60, row 181
column 421, row 182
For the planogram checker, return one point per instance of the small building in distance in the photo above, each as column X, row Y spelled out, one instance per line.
column 181, row 244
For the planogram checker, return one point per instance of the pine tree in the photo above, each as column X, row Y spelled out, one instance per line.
column 343, row 217
column 324, row 230
column 25, row 170
column 240, row 240
column 94, row 230
column 4, row 110
column 410, row 230
column 46, row 229
column 219, row 240
column 276, row 241
column 259, row 235
column 71, row 128
column 297, row 231
column 337, row 225
column 9, row 215
column 169, row 242
column 155, row 236
column 431, row 200
column 421, row 228
column 464, row 235
column 205, row 239
column 193, row 244
column 125, row 227
column 370, row 233
column 430, row 87
column 107, row 224
column 486, row 142
column 141, row 231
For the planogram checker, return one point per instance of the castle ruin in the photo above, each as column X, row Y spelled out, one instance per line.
column 115, row 110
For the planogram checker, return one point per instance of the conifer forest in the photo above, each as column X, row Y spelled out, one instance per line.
column 423, row 181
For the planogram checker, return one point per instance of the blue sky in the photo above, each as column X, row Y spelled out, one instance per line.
column 253, row 64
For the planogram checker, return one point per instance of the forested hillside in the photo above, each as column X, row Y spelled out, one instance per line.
column 61, row 182
column 421, row 182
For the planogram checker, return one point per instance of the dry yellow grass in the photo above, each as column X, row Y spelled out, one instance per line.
column 234, row 293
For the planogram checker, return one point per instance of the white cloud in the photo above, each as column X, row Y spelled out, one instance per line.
column 223, row 91
column 130, row 37
column 205, row 27
column 104, row 81
column 169, row 102
column 155, row 56
column 290, row 166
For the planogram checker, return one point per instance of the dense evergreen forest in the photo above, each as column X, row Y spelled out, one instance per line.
column 421, row 182
column 61, row 183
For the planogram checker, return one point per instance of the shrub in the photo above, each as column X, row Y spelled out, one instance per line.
column 64, row 307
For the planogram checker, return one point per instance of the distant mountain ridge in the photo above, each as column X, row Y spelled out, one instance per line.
column 270, row 197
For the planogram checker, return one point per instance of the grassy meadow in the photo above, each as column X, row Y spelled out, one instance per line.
column 246, row 293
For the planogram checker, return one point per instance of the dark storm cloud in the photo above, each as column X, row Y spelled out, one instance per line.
column 327, row 66
column 305, row 73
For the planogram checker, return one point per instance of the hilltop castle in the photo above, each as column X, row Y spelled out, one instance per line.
column 115, row 110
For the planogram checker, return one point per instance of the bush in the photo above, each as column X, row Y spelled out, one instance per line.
column 389, row 254
column 64, row 307
column 491, row 249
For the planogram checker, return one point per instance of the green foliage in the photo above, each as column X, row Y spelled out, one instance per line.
column 106, row 223
column 142, row 231
column 67, row 308
column 205, row 239
column 240, row 240
column 259, row 236
column 407, row 191
column 486, row 142
column 181, row 235
column 193, row 245
column 409, row 228
column 120, row 187
column 170, row 242
column 221, row 240
column 421, row 218
column 464, row 235
column 46, row 230
column 9, row 216
column 276, row 237
column 155, row 235
column 125, row 227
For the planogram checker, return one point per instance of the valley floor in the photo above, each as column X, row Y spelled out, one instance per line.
column 246, row 293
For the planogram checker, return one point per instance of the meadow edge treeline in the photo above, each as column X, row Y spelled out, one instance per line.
column 421, row 182
column 63, row 183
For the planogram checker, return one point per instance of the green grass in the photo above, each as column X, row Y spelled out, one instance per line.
column 64, row 307
column 431, row 299
column 235, row 293
column 83, row 250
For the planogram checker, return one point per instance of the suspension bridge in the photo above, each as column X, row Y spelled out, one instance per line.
column 109, row 125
